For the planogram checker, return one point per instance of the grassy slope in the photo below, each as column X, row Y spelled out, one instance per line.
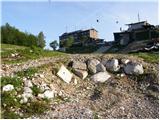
column 24, row 53
column 151, row 57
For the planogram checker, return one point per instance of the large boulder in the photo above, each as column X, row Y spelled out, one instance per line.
column 8, row 87
column 79, row 65
column 100, row 68
column 100, row 77
column 65, row 74
column 92, row 65
column 81, row 73
column 112, row 65
column 133, row 68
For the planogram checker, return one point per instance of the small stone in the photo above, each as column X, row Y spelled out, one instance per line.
column 8, row 87
column 80, row 73
column 125, row 61
column 28, row 83
column 48, row 94
column 41, row 95
column 122, row 75
column 24, row 100
column 27, row 90
column 41, row 75
column 100, row 77
column 65, row 74
column 13, row 55
column 19, row 96
column 75, row 81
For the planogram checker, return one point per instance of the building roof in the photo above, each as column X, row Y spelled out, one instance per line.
column 78, row 31
column 136, row 23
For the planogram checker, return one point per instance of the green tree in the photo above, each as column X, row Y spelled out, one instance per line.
column 69, row 42
column 12, row 35
column 54, row 44
column 41, row 40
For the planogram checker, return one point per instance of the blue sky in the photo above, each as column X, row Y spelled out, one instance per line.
column 55, row 18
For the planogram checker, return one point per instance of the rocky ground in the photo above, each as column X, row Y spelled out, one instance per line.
column 101, row 86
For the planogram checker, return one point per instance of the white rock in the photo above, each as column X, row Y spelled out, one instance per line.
column 24, row 100
column 133, row 68
column 75, row 81
column 36, row 74
column 122, row 75
column 24, row 79
column 41, row 95
column 27, row 90
column 8, row 87
column 27, row 95
column 92, row 65
column 79, row 65
column 112, row 65
column 28, row 83
column 65, row 74
column 100, row 77
column 48, row 94
column 19, row 96
column 41, row 75
column 125, row 61
column 100, row 68
column 80, row 73
column 13, row 55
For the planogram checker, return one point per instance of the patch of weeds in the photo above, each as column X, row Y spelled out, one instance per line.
column 95, row 115
column 25, row 53
column 10, row 115
column 36, row 90
column 46, row 100
column 15, row 81
column 8, row 100
column 36, row 107
column 27, row 73
column 148, row 56
column 9, row 104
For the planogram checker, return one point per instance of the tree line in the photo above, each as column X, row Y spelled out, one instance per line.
column 12, row 35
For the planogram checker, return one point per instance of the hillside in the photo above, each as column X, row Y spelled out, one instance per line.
column 101, row 85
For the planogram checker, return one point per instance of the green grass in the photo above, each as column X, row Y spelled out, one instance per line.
column 95, row 115
column 15, row 81
column 27, row 73
column 10, row 102
column 36, row 90
column 35, row 108
column 148, row 56
column 25, row 53
column 9, row 98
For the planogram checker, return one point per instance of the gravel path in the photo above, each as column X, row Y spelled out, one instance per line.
column 8, row 70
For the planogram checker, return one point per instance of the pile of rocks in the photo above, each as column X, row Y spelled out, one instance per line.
column 100, row 70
